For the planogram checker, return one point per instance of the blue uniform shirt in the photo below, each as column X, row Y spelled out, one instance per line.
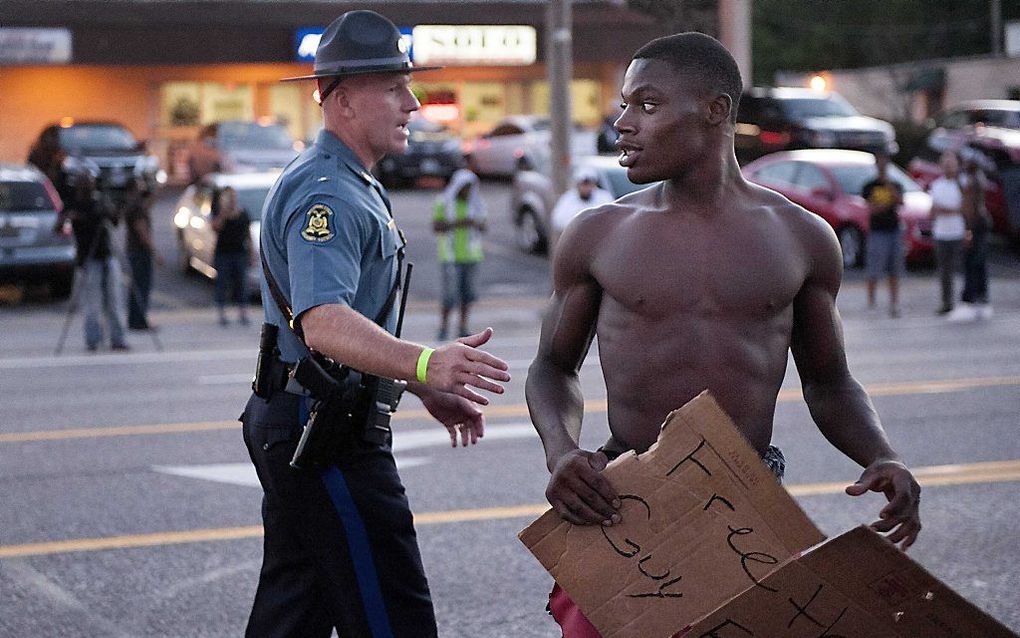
column 328, row 238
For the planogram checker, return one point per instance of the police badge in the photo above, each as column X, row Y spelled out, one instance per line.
column 318, row 227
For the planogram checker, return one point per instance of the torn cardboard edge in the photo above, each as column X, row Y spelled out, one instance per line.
column 857, row 585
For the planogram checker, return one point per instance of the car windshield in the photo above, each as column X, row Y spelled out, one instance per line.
column 802, row 108
column 619, row 184
column 89, row 137
column 23, row 197
column 253, row 136
column 541, row 125
column 996, row 117
column 852, row 178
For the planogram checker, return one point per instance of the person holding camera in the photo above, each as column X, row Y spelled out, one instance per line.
column 141, row 252
column 93, row 216
column 340, row 550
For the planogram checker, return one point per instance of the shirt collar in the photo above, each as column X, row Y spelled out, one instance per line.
column 330, row 143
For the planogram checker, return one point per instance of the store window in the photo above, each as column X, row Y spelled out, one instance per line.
column 292, row 106
column 585, row 100
column 195, row 103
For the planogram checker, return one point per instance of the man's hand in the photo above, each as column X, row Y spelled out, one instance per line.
column 900, row 516
column 455, row 366
column 459, row 415
column 580, row 493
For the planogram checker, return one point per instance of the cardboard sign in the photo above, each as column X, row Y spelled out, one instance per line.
column 857, row 585
column 703, row 519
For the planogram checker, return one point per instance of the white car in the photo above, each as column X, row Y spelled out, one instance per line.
column 196, row 238
column 501, row 151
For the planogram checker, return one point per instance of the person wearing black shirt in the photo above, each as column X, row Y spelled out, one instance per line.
column 233, row 253
column 884, row 254
column 140, row 253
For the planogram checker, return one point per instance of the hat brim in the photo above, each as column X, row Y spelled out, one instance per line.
column 364, row 71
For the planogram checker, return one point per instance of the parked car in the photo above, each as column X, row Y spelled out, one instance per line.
column 829, row 184
column 532, row 198
column 502, row 150
column 119, row 156
column 32, row 248
column 1000, row 113
column 432, row 151
column 241, row 146
column 999, row 149
column 781, row 119
column 196, row 238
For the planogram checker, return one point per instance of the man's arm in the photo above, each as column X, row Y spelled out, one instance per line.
column 577, row 490
column 839, row 405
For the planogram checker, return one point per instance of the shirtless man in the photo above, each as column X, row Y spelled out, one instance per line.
column 701, row 281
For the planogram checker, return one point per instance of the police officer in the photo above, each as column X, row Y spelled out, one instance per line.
column 340, row 549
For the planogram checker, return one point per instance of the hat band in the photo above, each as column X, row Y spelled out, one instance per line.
column 342, row 65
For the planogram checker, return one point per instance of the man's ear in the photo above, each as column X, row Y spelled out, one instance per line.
column 719, row 109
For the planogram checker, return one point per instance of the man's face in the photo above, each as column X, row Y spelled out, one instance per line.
column 585, row 188
column 663, row 127
column 380, row 106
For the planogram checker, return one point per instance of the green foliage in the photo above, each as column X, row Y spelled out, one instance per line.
column 806, row 35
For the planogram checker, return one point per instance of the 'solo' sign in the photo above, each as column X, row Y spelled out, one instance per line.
column 461, row 45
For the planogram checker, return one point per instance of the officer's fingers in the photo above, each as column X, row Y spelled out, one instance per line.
column 477, row 339
column 469, row 394
column 465, row 434
column 483, row 357
column 484, row 370
column 479, row 382
column 452, row 431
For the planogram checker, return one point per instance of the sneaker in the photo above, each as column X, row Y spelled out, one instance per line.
column 984, row 311
column 123, row 347
column 944, row 310
column 92, row 347
column 963, row 312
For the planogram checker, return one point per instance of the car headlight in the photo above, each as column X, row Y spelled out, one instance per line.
column 823, row 139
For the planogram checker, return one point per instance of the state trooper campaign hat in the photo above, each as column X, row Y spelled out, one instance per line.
column 360, row 42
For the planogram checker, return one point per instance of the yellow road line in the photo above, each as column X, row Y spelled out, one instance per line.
column 939, row 475
column 516, row 410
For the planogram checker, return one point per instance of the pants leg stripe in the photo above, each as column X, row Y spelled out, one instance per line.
column 360, row 551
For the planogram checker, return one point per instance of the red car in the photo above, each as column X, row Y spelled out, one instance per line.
column 828, row 182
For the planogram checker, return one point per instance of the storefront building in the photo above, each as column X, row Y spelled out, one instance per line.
column 164, row 68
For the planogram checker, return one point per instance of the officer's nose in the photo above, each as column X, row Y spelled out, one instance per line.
column 411, row 103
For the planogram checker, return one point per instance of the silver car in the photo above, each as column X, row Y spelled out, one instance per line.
column 532, row 198
column 32, row 247
column 501, row 151
column 196, row 239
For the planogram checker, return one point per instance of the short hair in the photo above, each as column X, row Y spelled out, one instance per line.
column 701, row 58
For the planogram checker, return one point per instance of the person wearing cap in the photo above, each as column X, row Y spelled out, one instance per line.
column 585, row 194
column 340, row 550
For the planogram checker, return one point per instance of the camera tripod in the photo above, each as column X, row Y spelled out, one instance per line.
column 79, row 283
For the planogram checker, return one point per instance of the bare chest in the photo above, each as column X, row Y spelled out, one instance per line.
column 660, row 271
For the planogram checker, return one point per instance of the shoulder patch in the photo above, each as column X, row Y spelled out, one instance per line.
column 319, row 226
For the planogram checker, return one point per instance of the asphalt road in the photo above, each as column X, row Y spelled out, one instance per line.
column 129, row 507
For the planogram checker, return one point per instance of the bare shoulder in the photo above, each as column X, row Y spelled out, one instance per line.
column 813, row 234
column 585, row 235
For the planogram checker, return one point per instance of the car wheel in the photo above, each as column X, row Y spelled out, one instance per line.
column 851, row 244
column 60, row 287
column 529, row 233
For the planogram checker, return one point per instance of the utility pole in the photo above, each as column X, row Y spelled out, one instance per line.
column 735, row 34
column 996, row 27
column 559, row 65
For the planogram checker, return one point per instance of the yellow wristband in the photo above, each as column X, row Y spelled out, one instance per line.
column 423, row 364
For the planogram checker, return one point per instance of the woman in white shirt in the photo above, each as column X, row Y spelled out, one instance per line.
column 948, row 227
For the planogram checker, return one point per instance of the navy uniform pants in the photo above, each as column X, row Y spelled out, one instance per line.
column 340, row 549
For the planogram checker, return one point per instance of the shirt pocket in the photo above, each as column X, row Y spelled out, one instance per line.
column 389, row 242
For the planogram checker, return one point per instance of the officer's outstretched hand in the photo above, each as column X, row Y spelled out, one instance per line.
column 458, row 365
column 461, row 417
